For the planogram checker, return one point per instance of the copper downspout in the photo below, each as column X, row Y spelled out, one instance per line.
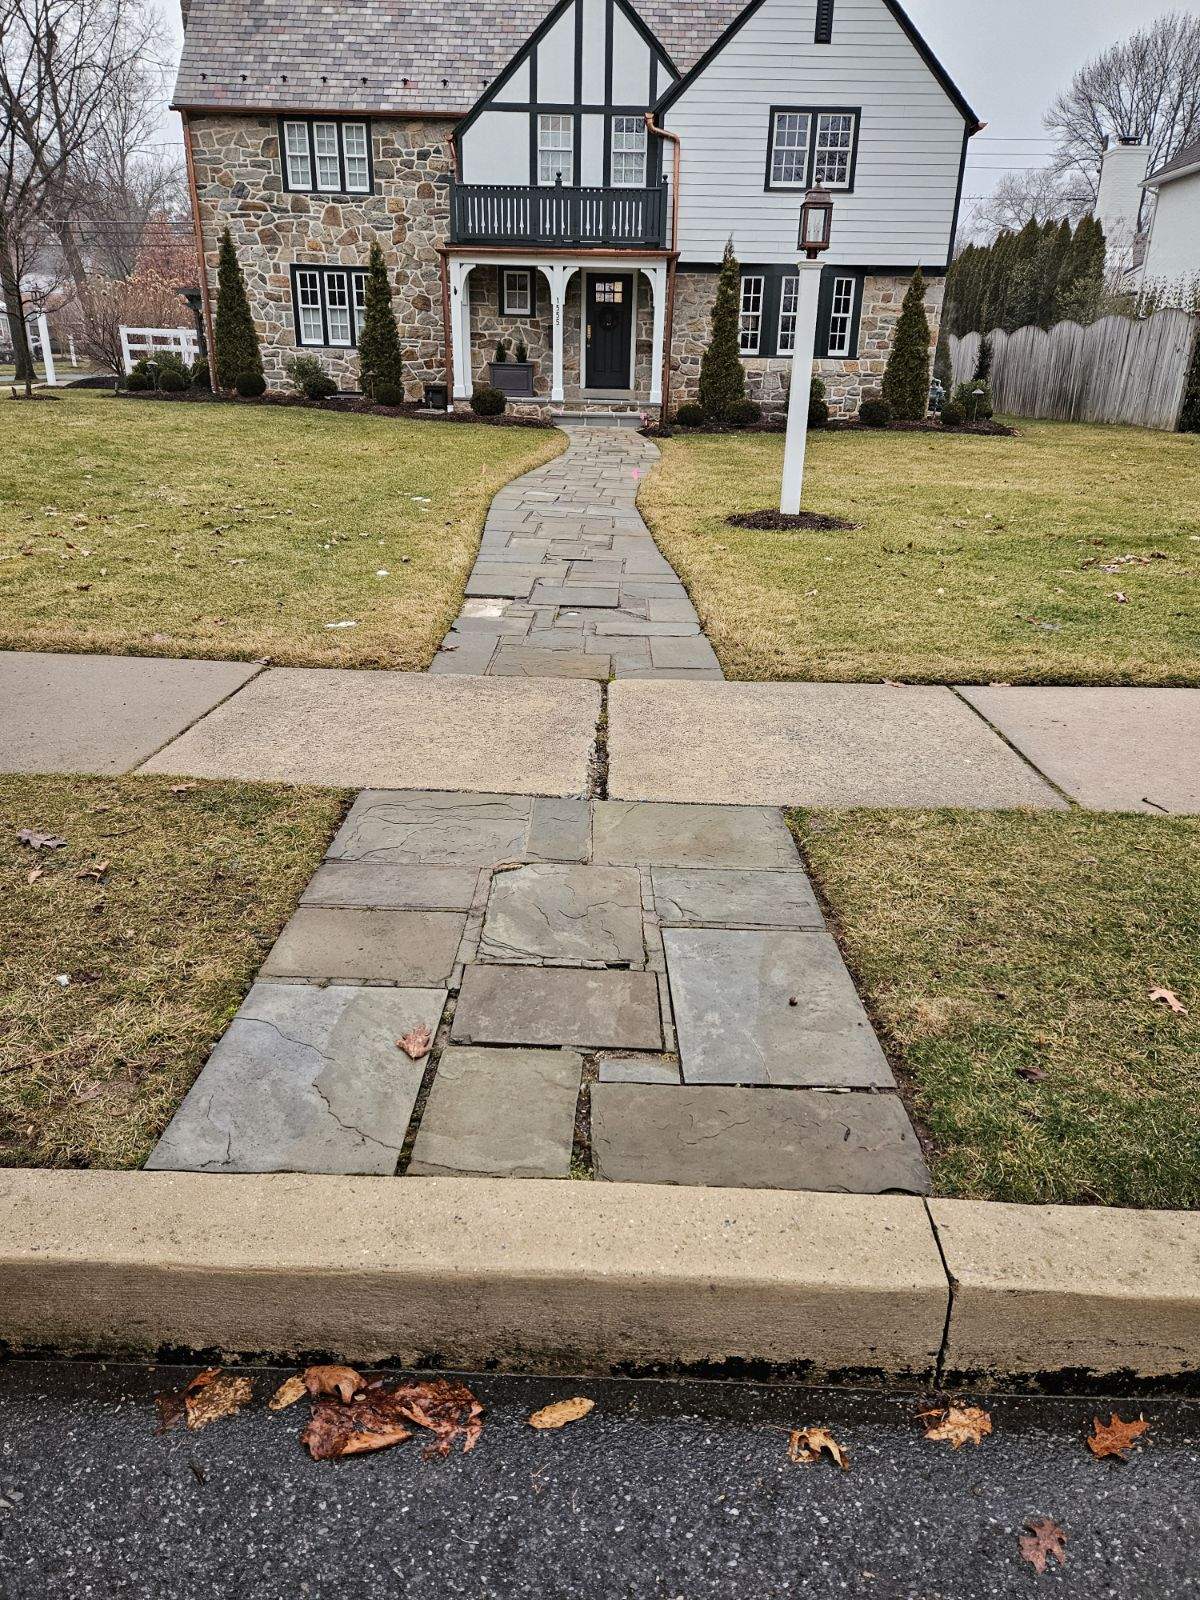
column 674, row 140
column 198, row 231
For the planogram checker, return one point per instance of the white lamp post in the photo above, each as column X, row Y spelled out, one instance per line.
column 816, row 222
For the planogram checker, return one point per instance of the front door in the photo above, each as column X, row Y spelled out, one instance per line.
column 609, row 330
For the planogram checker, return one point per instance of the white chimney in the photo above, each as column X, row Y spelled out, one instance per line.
column 1119, row 199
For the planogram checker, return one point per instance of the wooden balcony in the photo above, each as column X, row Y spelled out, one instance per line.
column 560, row 216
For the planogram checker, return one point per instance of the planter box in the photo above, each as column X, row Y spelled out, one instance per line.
column 512, row 377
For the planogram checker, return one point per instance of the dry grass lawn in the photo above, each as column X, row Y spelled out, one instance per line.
column 977, row 559
column 181, row 529
column 988, row 945
column 158, row 952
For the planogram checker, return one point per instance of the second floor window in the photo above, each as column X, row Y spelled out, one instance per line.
column 326, row 157
column 628, row 152
column 812, row 147
column 556, row 148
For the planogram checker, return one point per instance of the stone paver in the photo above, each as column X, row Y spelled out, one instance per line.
column 402, row 730
column 444, row 829
column 769, row 1008
column 558, row 1006
column 700, row 898
column 417, row 948
column 755, row 1138
column 637, row 1069
column 304, row 1079
column 564, row 915
column 368, row 884
column 1109, row 749
column 573, row 584
column 70, row 713
column 499, row 1114
column 817, row 744
column 690, row 836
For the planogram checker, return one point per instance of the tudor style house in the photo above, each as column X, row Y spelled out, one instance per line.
column 564, row 177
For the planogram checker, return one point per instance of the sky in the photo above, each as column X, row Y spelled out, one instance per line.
column 1009, row 58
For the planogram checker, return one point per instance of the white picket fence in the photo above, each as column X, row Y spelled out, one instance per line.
column 138, row 344
column 1117, row 370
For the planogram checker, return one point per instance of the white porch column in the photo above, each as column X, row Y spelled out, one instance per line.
column 803, row 346
column 658, row 282
column 460, row 324
column 557, row 276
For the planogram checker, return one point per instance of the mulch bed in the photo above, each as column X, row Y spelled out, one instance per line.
column 783, row 522
column 987, row 430
column 355, row 405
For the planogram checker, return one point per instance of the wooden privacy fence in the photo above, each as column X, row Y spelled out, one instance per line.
column 1116, row 370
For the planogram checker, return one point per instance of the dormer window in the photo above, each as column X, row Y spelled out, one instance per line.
column 325, row 155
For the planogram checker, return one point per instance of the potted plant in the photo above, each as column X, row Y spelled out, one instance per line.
column 512, row 377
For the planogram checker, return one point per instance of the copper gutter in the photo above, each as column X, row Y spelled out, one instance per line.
column 198, row 231
column 676, row 157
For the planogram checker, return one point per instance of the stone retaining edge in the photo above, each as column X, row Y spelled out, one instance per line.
column 526, row 1275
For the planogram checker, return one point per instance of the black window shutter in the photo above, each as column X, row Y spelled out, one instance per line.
column 824, row 22
column 824, row 313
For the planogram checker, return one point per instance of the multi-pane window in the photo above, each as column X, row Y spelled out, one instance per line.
column 326, row 156
column 841, row 317
column 789, row 299
column 556, row 147
column 330, row 305
column 750, row 319
column 812, row 147
column 628, row 152
column 516, row 292
column 834, row 149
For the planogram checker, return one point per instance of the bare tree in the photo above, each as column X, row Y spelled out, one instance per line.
column 1043, row 195
column 1147, row 88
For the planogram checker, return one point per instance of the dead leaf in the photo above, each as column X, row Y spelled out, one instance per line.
column 181, row 788
column 1114, row 1437
column 448, row 1409
column 958, row 1425
column 561, row 1412
column 416, row 1043
column 96, row 870
column 806, row 1444
column 375, row 1418
column 288, row 1392
column 34, row 874
column 1121, row 598
column 210, row 1396
column 1031, row 1074
column 1168, row 997
column 1045, row 1538
column 342, row 1381
column 40, row 841
column 364, row 1425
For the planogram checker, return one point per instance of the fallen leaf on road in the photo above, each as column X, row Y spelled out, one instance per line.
column 1045, row 1538
column 1168, row 997
column 288, row 1392
column 958, row 1425
column 446, row 1408
column 561, row 1412
column 806, row 1444
column 416, row 1043
column 374, row 1419
column 207, row 1398
column 40, row 841
column 1115, row 1438
column 338, row 1430
column 342, row 1381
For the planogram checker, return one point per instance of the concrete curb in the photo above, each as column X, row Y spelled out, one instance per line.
column 595, row 1277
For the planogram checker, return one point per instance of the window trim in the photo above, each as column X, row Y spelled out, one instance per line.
column 568, row 151
column 848, row 354
column 506, row 310
column 340, row 123
column 774, row 275
column 761, row 279
column 813, row 113
column 613, row 152
column 348, row 275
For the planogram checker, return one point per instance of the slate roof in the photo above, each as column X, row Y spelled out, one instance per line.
column 407, row 56
column 1189, row 156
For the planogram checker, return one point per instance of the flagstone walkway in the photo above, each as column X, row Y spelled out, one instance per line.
column 569, row 582
column 611, row 989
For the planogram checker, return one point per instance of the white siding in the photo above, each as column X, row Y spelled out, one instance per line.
column 631, row 64
column 592, row 149
column 909, row 142
column 517, row 87
column 593, row 53
column 556, row 60
column 495, row 148
column 1174, row 250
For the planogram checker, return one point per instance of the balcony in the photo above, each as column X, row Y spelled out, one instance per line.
column 561, row 216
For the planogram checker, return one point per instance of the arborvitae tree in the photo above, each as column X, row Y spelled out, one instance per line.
column 238, row 354
column 906, row 377
column 1082, row 279
column 998, row 283
column 1189, row 421
column 380, row 363
column 722, row 380
column 983, row 366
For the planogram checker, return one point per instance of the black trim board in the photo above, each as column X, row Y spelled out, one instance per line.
column 869, row 271
column 813, row 113
column 325, row 271
column 951, row 89
column 958, row 193
column 309, row 118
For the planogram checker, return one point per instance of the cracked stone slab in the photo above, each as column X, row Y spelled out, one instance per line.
column 565, row 914
column 433, row 828
column 733, row 994
column 583, row 1006
column 559, row 830
column 637, row 1069
column 372, row 885
column 701, row 898
column 304, row 1080
column 755, row 1139
column 628, row 832
column 525, row 661
column 367, row 946
column 499, row 1114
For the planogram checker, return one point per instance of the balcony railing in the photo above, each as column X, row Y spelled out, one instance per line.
column 518, row 213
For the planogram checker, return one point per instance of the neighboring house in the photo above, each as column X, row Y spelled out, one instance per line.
column 517, row 161
column 1173, row 248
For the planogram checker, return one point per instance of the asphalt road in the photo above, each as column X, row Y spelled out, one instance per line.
column 675, row 1490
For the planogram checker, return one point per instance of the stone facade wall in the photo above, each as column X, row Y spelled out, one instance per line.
column 768, row 378
column 239, row 180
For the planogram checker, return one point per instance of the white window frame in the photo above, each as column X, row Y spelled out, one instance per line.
column 820, row 146
column 626, row 142
column 554, row 155
column 750, row 313
column 326, row 154
column 817, row 124
column 310, row 289
column 310, row 304
column 842, row 305
column 358, row 159
column 789, row 291
column 296, row 150
column 346, row 148
column 521, row 304
column 802, row 120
